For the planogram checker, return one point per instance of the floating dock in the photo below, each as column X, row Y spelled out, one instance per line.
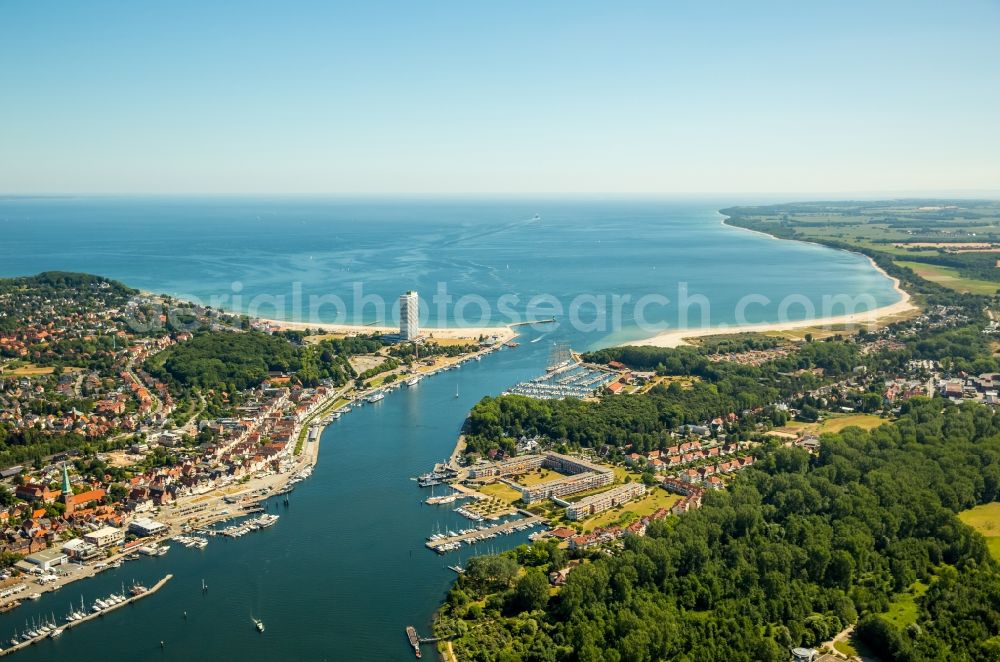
column 89, row 617
column 445, row 543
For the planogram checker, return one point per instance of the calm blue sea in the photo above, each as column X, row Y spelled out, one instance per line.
column 601, row 263
column 344, row 570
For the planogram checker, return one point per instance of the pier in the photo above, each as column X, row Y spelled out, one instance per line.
column 550, row 320
column 446, row 543
column 89, row 617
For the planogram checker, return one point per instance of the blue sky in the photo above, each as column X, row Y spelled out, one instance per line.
column 499, row 97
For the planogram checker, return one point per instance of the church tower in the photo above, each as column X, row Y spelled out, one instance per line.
column 67, row 491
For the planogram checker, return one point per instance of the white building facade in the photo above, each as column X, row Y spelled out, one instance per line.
column 409, row 315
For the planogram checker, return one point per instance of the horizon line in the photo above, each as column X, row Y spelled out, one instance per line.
column 866, row 194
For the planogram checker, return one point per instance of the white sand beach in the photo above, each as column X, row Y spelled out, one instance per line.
column 505, row 333
column 856, row 320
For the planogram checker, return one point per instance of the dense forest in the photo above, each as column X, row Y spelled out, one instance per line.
column 796, row 550
column 231, row 361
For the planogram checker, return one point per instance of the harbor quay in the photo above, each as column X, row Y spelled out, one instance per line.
column 100, row 608
column 192, row 512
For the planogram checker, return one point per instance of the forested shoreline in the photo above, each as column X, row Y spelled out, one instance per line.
column 796, row 550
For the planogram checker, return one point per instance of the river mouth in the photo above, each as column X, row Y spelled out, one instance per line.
column 345, row 569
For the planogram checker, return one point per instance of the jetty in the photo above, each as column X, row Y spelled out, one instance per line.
column 89, row 617
column 549, row 320
column 444, row 543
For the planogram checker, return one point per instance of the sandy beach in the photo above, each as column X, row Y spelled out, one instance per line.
column 473, row 333
column 855, row 320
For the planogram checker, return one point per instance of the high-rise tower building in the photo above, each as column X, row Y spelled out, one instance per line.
column 409, row 315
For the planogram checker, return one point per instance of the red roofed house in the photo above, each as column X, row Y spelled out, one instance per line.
column 36, row 492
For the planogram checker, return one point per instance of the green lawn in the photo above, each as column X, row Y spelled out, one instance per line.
column 845, row 647
column 986, row 520
column 903, row 610
column 540, row 475
column 949, row 277
column 500, row 491
column 655, row 499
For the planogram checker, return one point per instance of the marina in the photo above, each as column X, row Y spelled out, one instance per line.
column 452, row 540
column 245, row 527
column 99, row 608
column 565, row 378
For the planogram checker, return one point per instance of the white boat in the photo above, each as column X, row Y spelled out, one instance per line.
column 413, row 381
column 55, row 633
column 375, row 397
column 257, row 623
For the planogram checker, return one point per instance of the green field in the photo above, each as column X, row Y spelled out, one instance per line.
column 838, row 423
column 986, row 520
column 834, row 423
column 949, row 277
column 931, row 230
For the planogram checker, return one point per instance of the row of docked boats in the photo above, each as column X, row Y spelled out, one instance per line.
column 298, row 478
column 447, row 498
column 192, row 541
column 47, row 627
column 486, row 535
column 465, row 512
column 439, row 475
column 447, row 547
column 248, row 526
column 154, row 550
